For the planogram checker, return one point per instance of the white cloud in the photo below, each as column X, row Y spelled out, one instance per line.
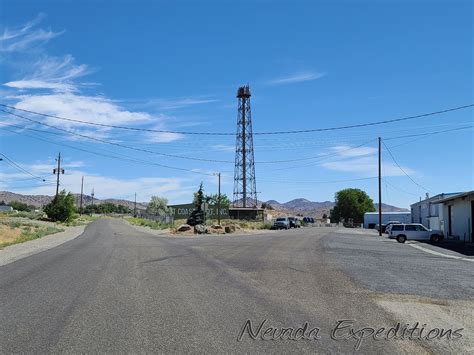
column 296, row 78
column 175, row 103
column 52, row 73
column 104, row 186
column 362, row 161
column 26, row 36
column 86, row 108
column 224, row 147
column 348, row 151
column 164, row 137
column 39, row 84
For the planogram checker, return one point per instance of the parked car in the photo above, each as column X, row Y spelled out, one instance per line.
column 389, row 224
column 294, row 222
column 385, row 225
column 281, row 223
column 414, row 231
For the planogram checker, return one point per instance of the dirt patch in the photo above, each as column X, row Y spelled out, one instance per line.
column 434, row 313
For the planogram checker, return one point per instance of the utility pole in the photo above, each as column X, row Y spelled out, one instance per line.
column 135, row 206
column 57, row 172
column 82, row 192
column 92, row 194
column 219, row 199
column 380, row 186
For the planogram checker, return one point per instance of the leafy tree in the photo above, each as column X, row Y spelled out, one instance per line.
column 197, row 215
column 351, row 203
column 267, row 206
column 214, row 199
column 61, row 208
column 158, row 206
column 19, row 206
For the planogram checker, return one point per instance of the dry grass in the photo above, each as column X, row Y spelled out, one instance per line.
column 14, row 232
column 7, row 234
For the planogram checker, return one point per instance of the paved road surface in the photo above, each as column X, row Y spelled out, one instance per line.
column 117, row 289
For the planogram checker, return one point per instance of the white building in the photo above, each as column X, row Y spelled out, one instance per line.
column 427, row 211
column 457, row 215
column 372, row 218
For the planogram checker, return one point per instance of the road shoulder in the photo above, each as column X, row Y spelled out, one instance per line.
column 16, row 252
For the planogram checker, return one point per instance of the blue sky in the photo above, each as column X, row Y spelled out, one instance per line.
column 177, row 65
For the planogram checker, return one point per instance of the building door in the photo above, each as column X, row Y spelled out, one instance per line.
column 450, row 229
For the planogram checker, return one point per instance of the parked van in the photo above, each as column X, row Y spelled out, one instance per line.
column 414, row 231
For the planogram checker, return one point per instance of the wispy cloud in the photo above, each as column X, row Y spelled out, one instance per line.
column 174, row 103
column 296, row 78
column 104, row 186
column 26, row 37
column 87, row 108
column 362, row 161
column 53, row 73
column 52, row 87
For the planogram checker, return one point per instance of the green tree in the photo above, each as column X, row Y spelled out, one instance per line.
column 19, row 206
column 197, row 215
column 325, row 216
column 158, row 206
column 61, row 208
column 267, row 206
column 214, row 199
column 351, row 203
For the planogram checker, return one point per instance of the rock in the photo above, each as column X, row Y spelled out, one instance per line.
column 184, row 228
column 216, row 226
column 200, row 229
column 229, row 229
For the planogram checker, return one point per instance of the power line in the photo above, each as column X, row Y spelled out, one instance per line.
column 397, row 188
column 396, row 163
column 153, row 152
column 316, row 181
column 323, row 157
column 114, row 143
column 18, row 167
column 429, row 133
column 255, row 133
column 124, row 158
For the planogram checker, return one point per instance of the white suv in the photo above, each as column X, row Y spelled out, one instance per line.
column 414, row 231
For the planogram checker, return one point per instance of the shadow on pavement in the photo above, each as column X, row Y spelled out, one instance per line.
column 458, row 247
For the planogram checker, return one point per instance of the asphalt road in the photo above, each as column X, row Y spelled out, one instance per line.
column 116, row 289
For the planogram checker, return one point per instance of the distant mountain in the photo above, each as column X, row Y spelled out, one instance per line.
column 300, row 206
column 390, row 208
column 41, row 200
column 317, row 209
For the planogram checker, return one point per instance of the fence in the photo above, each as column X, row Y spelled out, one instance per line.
column 161, row 219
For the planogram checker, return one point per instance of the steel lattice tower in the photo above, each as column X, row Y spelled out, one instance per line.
column 245, row 187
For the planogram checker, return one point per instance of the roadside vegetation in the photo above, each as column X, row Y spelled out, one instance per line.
column 148, row 223
column 14, row 232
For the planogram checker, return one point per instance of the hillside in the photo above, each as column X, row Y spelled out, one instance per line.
column 317, row 209
column 41, row 200
column 300, row 206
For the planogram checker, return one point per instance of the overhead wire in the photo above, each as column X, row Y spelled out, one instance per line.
column 404, row 172
column 20, row 168
column 406, row 118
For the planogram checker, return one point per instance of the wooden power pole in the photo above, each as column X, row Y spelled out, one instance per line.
column 219, row 200
column 135, row 206
column 380, row 186
column 57, row 171
column 82, row 192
